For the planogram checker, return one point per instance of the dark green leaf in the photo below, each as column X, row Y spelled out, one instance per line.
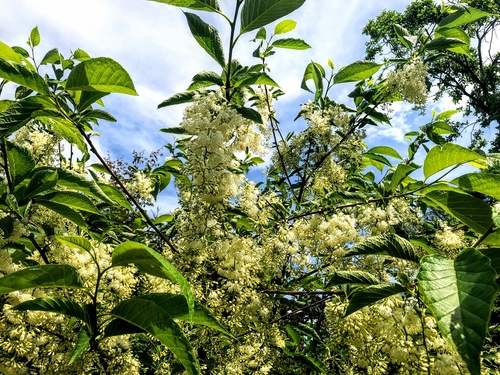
column 460, row 294
column 250, row 114
column 66, row 130
column 315, row 72
column 462, row 17
column 100, row 74
column 208, row 76
column 65, row 212
column 484, row 183
column 23, row 76
column 55, row 305
column 207, row 37
column 40, row 181
column 256, row 79
column 116, row 195
column 469, row 210
column 70, row 199
column 151, row 318
column 98, row 114
column 149, row 261
column 20, row 162
column 372, row 294
column 82, row 344
column 404, row 36
column 291, row 43
column 442, row 157
column 75, row 181
column 51, row 57
column 45, row 276
column 78, row 242
column 356, row 71
column 256, row 14
column 402, row 171
column 456, row 33
column 494, row 255
column 174, row 130
column 180, row 98
column 352, row 277
column 386, row 244
column 207, row 5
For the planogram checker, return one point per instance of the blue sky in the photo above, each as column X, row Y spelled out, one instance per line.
column 153, row 43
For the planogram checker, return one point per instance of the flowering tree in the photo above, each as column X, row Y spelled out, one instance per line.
column 342, row 259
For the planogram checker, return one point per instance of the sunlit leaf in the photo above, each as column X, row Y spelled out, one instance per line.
column 70, row 199
column 371, row 294
column 291, row 43
column 462, row 17
column 100, row 74
column 442, row 157
column 284, row 27
column 23, row 76
column 207, row 37
column 44, row 276
column 256, row 14
column 55, row 305
column 356, row 71
column 386, row 244
column 460, row 294
column 207, row 5
column 20, row 162
column 484, row 183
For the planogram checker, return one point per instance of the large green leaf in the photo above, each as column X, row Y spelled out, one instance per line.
column 386, row 244
column 41, row 180
column 149, row 261
column 256, row 79
column 66, row 130
column 456, row 33
column 9, row 54
column 450, row 154
column 494, row 255
column 460, row 295
column 100, row 74
column 207, row 37
column 485, row 183
column 55, row 305
column 176, row 306
column 75, row 181
column 316, row 73
column 70, row 199
column 44, row 276
column 291, row 43
column 81, row 345
column 462, row 17
column 469, row 210
column 356, row 71
column 78, row 242
column 23, row 76
column 372, row 294
column 443, row 43
column 352, row 277
column 20, row 162
column 65, row 212
column 179, row 98
column 208, row 5
column 402, row 171
column 116, row 196
column 259, row 13
column 151, row 318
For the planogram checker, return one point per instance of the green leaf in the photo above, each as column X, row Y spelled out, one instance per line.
column 55, row 305
column 462, row 17
column 455, row 33
column 207, row 37
column 460, row 294
column 402, row 171
column 446, row 115
column 356, row 71
column 469, row 210
column 385, row 150
column 484, row 183
column 149, row 261
column 165, row 218
column 494, row 255
column 151, row 318
column 66, row 130
column 42, row 180
column 100, row 74
column 23, row 76
column 87, row 98
column 405, row 37
column 291, row 43
column 316, row 73
column 75, row 181
column 81, row 345
column 284, row 27
column 208, row 76
column 180, row 98
column 386, row 244
column 17, row 115
column 44, row 276
column 250, row 114
column 9, row 54
column 95, row 114
column 65, row 212
column 78, row 242
column 116, row 195
column 207, row 5
column 256, row 79
column 70, row 199
column 176, row 306
column 256, row 14
column 442, row 157
column 371, row 294
column 174, row 130
column 352, row 277
column 443, row 43
column 20, row 162
column 51, row 57
column 35, row 37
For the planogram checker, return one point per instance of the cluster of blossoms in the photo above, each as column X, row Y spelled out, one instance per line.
column 389, row 337
column 41, row 144
column 410, row 82
column 449, row 241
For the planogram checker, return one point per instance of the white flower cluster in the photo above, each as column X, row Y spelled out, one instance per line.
column 449, row 240
column 410, row 82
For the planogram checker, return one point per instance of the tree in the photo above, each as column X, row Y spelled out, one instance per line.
column 298, row 273
column 470, row 75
